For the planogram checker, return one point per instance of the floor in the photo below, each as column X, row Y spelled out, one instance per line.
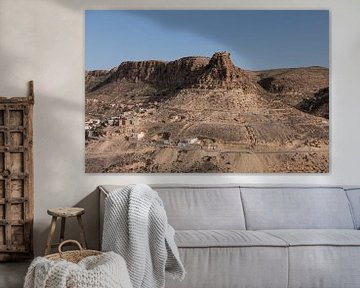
column 12, row 274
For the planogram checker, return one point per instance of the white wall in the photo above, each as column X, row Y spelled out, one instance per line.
column 43, row 40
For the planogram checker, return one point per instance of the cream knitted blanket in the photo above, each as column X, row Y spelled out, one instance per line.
column 103, row 271
column 136, row 227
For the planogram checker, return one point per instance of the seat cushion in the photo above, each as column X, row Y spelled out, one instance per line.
column 203, row 208
column 233, row 258
column 296, row 208
column 322, row 258
column 225, row 238
column 317, row 237
column 324, row 266
column 223, row 267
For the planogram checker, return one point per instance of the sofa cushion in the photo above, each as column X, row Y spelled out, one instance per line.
column 324, row 266
column 354, row 198
column 226, row 238
column 317, row 237
column 322, row 258
column 203, row 208
column 199, row 207
column 296, row 208
column 224, row 267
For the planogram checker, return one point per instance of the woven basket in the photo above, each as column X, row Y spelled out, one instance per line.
column 72, row 256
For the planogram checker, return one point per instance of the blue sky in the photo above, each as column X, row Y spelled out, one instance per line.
column 256, row 39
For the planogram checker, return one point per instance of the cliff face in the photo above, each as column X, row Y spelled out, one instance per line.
column 187, row 72
column 221, row 69
column 222, row 73
column 146, row 71
column 93, row 78
column 183, row 72
column 132, row 71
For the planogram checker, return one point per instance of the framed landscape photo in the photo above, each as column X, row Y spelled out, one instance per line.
column 235, row 91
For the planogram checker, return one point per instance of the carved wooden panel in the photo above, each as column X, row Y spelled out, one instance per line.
column 16, row 177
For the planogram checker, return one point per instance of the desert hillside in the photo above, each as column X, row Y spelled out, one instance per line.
column 204, row 114
column 297, row 85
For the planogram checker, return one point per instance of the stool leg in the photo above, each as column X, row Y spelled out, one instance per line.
column 62, row 230
column 82, row 232
column 51, row 235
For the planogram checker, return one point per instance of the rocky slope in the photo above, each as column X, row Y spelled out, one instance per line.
column 293, row 85
column 200, row 114
column 93, row 78
column 317, row 105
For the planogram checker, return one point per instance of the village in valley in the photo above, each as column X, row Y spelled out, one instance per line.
column 128, row 124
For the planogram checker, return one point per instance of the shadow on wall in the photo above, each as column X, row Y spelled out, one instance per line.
column 254, row 40
column 203, row 24
column 91, row 219
column 206, row 26
column 13, row 66
column 54, row 155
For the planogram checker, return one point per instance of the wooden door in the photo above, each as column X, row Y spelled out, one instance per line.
column 16, row 178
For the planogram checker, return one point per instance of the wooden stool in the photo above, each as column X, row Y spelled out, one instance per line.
column 64, row 213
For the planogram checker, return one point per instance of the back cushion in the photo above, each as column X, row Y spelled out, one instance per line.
column 354, row 198
column 200, row 208
column 296, row 208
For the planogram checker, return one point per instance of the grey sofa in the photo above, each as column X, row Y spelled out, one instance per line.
column 264, row 237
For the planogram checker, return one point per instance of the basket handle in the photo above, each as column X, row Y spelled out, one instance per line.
column 69, row 241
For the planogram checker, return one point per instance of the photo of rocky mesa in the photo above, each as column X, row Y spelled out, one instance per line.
column 197, row 114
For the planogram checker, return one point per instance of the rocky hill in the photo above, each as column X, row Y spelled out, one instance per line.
column 201, row 114
column 293, row 85
column 187, row 72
